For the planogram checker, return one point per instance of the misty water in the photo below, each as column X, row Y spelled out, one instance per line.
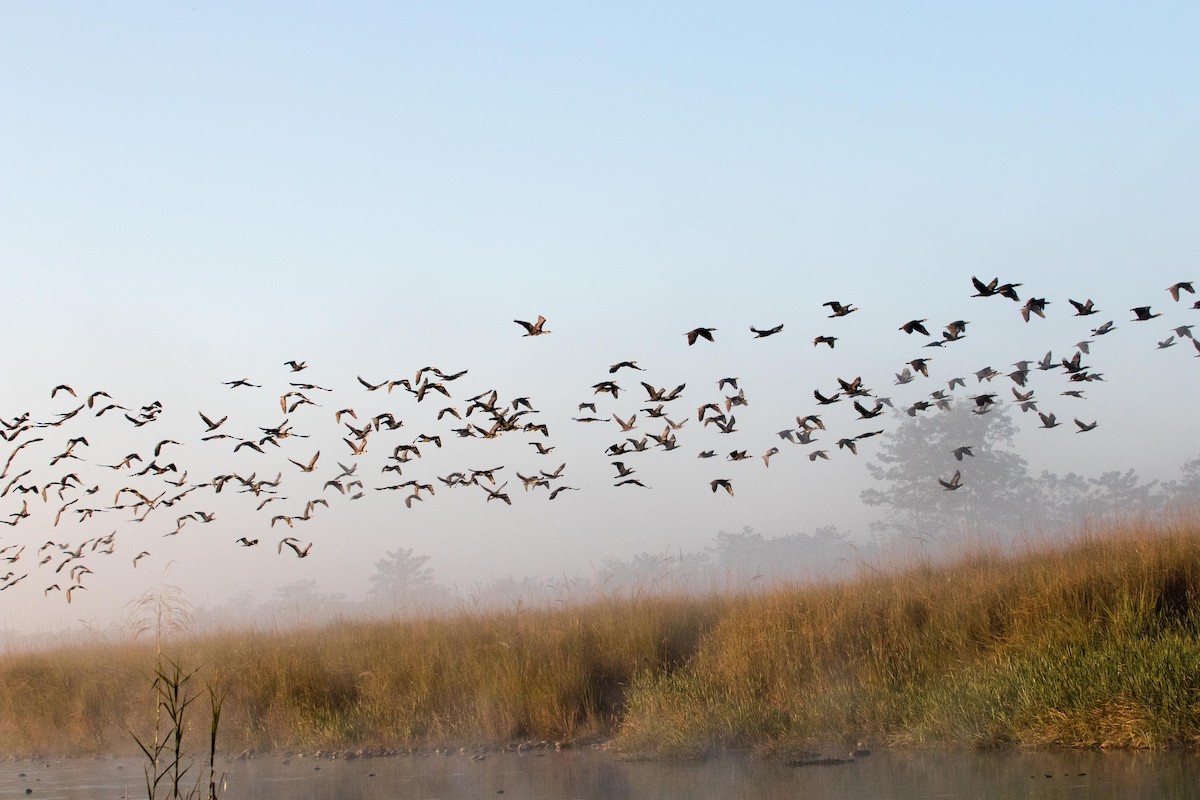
column 600, row 775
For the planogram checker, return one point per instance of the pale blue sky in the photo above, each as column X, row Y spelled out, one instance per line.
column 195, row 192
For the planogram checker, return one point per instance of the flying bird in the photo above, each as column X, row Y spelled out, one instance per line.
column 699, row 333
column 722, row 483
column 1143, row 313
column 1084, row 309
column 533, row 328
column 1184, row 285
column 955, row 482
column 838, row 309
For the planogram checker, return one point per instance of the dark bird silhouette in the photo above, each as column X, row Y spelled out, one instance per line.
column 620, row 364
column 631, row 482
column 622, row 470
column 829, row 340
column 533, row 328
column 1182, row 285
column 212, row 426
column 838, row 309
column 959, row 452
column 699, row 333
column 722, row 483
column 1034, row 305
column 1143, row 313
column 955, row 482
column 759, row 334
column 915, row 326
column 1084, row 309
column 823, row 400
column 295, row 545
column 955, row 330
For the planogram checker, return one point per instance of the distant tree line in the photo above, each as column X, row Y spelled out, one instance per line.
column 1000, row 499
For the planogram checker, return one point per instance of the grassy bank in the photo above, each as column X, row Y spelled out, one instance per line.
column 1091, row 643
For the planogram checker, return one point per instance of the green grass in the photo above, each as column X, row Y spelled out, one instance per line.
column 1091, row 643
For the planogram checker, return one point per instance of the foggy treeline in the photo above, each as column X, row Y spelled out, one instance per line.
column 1000, row 503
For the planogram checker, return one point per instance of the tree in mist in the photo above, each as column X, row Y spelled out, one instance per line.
column 1069, row 498
column 402, row 580
column 303, row 601
column 665, row 571
column 997, row 493
column 748, row 555
column 1186, row 490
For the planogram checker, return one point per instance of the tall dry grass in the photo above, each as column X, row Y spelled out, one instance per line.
column 553, row 674
column 1092, row 643
column 1095, row 642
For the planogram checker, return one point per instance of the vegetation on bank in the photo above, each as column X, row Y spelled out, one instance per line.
column 1093, row 643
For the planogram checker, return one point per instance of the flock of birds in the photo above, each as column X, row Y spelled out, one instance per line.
column 72, row 468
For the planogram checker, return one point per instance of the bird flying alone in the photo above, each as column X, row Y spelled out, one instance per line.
column 699, row 333
column 533, row 328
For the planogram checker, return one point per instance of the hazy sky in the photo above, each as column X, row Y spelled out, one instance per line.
column 197, row 192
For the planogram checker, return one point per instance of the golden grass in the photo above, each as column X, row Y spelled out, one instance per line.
column 1095, row 642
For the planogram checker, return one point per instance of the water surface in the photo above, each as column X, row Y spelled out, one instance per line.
column 591, row 774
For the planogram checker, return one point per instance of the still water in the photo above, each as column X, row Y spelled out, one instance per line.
column 593, row 774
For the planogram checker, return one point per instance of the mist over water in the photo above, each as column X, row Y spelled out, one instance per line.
column 591, row 774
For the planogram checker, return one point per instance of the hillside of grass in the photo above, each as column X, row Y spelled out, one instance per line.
column 1090, row 643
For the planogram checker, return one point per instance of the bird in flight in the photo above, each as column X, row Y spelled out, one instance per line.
column 838, row 309
column 533, row 328
column 955, row 482
column 1184, row 285
column 759, row 334
column 1084, row 309
column 1143, row 313
column 722, row 483
column 699, row 333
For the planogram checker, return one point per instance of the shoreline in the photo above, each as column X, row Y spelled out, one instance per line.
column 1090, row 644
